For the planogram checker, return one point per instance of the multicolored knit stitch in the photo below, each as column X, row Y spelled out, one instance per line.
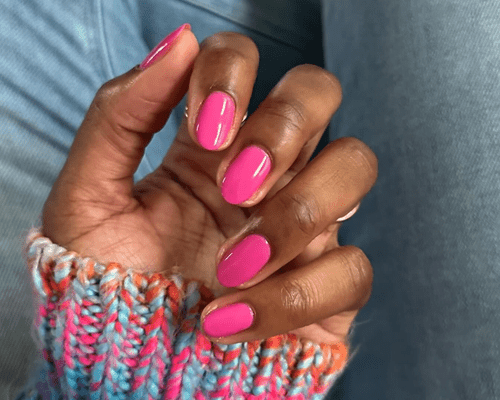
column 111, row 333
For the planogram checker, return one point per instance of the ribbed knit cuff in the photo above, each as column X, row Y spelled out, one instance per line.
column 111, row 333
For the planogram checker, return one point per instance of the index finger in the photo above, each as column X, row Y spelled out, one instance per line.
column 220, row 88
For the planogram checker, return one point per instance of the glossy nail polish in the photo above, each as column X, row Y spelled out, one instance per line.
column 163, row 47
column 228, row 320
column 245, row 175
column 215, row 120
column 243, row 261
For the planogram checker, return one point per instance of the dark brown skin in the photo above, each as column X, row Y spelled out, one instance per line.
column 175, row 219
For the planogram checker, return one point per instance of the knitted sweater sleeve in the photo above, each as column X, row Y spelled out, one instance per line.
column 110, row 333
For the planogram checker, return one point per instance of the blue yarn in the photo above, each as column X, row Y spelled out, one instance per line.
column 154, row 305
column 194, row 371
column 103, row 341
column 298, row 384
column 62, row 272
column 94, row 395
column 209, row 382
column 318, row 359
column 90, row 328
column 245, row 359
column 252, row 371
column 198, row 371
column 186, row 339
column 304, row 363
column 187, row 389
column 95, row 309
column 120, row 372
column 79, row 291
column 97, row 372
column 57, row 334
column 149, row 386
column 129, row 286
column 152, row 385
column 38, row 283
column 308, row 379
column 70, row 383
column 266, row 370
column 109, row 333
column 228, row 370
column 237, row 372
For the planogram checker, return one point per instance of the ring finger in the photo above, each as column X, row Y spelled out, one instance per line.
column 326, row 189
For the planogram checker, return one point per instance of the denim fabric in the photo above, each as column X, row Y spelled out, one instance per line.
column 421, row 83
column 49, row 71
column 421, row 87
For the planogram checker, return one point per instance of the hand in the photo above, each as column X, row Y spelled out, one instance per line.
column 291, row 275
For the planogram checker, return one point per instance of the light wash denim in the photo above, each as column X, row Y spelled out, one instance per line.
column 421, row 83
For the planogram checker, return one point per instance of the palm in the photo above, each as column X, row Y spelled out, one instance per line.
column 174, row 220
column 175, row 217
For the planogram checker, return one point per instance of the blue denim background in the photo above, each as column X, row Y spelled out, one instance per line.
column 422, row 89
column 421, row 83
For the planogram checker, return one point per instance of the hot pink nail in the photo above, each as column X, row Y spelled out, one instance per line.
column 243, row 261
column 228, row 320
column 215, row 120
column 245, row 174
column 163, row 47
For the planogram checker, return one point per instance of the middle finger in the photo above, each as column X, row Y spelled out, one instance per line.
column 283, row 131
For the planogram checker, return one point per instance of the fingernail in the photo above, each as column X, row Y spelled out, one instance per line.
column 245, row 175
column 215, row 120
column 243, row 261
column 228, row 320
column 163, row 47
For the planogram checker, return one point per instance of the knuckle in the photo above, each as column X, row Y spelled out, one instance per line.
column 304, row 212
column 233, row 57
column 105, row 94
column 320, row 80
column 318, row 74
column 108, row 106
column 291, row 113
column 359, row 274
column 235, row 46
column 298, row 297
column 360, row 155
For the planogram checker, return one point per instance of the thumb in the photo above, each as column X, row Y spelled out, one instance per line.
column 127, row 111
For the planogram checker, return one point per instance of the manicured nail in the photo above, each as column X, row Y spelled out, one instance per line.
column 243, row 261
column 215, row 120
column 228, row 320
column 163, row 47
column 245, row 175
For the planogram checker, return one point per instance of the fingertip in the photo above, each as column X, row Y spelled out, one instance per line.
column 180, row 37
column 156, row 90
column 222, row 322
column 220, row 89
column 189, row 43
